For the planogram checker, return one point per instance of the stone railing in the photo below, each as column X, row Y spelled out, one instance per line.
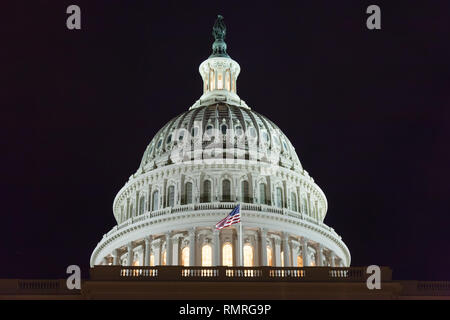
column 222, row 273
column 216, row 206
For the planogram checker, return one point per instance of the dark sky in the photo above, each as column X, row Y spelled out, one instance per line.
column 367, row 111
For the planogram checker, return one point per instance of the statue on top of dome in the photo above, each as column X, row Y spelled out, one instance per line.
column 219, row 31
column 219, row 28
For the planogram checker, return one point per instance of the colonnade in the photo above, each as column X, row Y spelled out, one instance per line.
column 205, row 246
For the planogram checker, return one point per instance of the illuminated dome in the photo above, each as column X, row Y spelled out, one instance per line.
column 222, row 119
column 198, row 167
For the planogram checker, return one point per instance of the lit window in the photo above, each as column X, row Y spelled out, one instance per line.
column 212, row 80
column 299, row 261
column 248, row 256
column 219, row 81
column 152, row 260
column 227, row 255
column 206, row 256
column 227, row 80
column 164, row 258
column 136, row 263
column 269, row 256
column 185, row 256
column 282, row 258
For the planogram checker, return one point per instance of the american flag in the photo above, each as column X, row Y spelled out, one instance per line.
column 232, row 218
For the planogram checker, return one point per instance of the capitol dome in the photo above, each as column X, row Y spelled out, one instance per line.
column 201, row 165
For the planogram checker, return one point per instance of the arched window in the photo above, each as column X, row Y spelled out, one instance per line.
column 206, row 256
column 185, row 256
column 305, row 206
column 244, row 191
column 282, row 258
column 227, row 255
column 152, row 260
column 155, row 200
column 171, row 196
column 188, row 192
column 136, row 263
column 223, row 129
column 164, row 260
column 279, row 201
column 212, row 80
column 269, row 256
column 248, row 255
column 299, row 261
column 226, row 190
column 293, row 201
column 262, row 193
column 220, row 81
column 206, row 196
column 227, row 80
column 141, row 205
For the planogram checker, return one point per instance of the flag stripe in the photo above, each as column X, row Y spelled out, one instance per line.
column 233, row 217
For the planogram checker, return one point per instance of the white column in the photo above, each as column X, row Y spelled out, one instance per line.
column 239, row 263
column 294, row 250
column 192, row 247
column 115, row 255
column 319, row 257
column 286, row 261
column 156, row 247
column 277, row 252
column 305, row 255
column 130, row 254
column 176, row 250
column 216, row 247
column 332, row 258
column 147, row 251
column 263, row 246
column 168, row 249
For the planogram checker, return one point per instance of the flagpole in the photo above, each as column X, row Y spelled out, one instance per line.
column 242, row 238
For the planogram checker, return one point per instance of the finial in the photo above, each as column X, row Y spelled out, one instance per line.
column 219, row 46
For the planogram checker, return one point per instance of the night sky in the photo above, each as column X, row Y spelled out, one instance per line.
column 367, row 111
